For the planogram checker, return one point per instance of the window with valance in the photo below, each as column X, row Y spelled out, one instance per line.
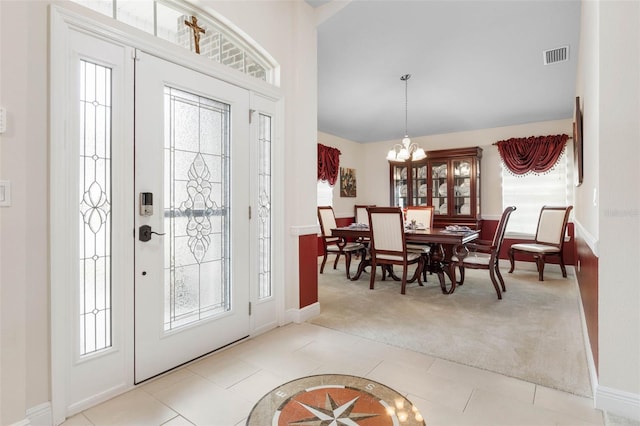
column 535, row 171
column 328, row 163
column 537, row 154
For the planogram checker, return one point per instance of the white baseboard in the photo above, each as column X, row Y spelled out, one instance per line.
column 40, row 415
column 96, row 399
column 618, row 402
column 301, row 315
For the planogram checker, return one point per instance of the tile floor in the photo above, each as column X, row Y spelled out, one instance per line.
column 221, row 389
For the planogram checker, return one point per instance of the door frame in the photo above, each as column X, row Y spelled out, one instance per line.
column 68, row 18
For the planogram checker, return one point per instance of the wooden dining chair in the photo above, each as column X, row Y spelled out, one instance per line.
column 335, row 245
column 423, row 217
column 361, row 215
column 549, row 239
column 388, row 244
column 481, row 254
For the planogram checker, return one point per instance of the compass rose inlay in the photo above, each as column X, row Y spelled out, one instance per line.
column 334, row 400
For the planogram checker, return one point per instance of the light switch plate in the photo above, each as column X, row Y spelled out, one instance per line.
column 5, row 193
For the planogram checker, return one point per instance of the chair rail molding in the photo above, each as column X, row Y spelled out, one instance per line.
column 298, row 230
column 588, row 238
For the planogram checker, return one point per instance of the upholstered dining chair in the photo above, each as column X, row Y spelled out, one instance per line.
column 388, row 244
column 481, row 254
column 332, row 244
column 549, row 240
column 361, row 215
column 423, row 217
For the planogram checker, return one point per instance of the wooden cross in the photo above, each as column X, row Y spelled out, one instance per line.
column 196, row 32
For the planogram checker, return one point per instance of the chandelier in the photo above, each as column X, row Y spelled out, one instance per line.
column 407, row 150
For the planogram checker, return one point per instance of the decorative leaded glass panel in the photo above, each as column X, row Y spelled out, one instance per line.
column 196, row 208
column 137, row 13
column 264, row 206
column 95, row 208
column 167, row 21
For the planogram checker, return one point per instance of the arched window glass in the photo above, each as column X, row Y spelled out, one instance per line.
column 166, row 19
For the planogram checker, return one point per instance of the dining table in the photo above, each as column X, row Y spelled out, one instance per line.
column 441, row 240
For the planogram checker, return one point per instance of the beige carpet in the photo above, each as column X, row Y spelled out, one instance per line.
column 534, row 333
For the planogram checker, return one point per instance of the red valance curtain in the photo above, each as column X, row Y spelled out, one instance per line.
column 537, row 154
column 328, row 164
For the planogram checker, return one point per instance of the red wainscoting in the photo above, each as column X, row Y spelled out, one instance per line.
column 588, row 282
column 308, row 269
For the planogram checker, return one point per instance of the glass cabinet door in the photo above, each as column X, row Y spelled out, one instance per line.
column 439, row 187
column 400, row 185
column 419, row 185
column 462, row 187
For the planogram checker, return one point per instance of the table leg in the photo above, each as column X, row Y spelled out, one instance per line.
column 440, row 266
column 363, row 264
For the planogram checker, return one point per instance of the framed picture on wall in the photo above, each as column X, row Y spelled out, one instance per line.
column 577, row 145
column 347, row 182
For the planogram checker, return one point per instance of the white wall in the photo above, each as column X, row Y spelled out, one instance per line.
column 23, row 266
column 286, row 29
column 350, row 157
column 613, row 138
column 376, row 172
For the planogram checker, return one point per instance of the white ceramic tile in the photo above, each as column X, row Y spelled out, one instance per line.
column 340, row 359
column 256, row 386
column 202, row 402
column 483, row 379
column 287, row 365
column 77, row 420
column 572, row 405
column 166, row 381
column 133, row 407
column 408, row 378
column 224, row 369
column 222, row 388
column 178, row 421
column 488, row 408
column 288, row 338
column 435, row 414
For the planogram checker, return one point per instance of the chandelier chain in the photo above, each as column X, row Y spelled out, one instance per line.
column 405, row 78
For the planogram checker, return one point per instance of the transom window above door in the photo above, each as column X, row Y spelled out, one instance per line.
column 173, row 21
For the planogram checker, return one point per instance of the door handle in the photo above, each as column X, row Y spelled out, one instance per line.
column 144, row 233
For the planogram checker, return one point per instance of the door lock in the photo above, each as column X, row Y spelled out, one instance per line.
column 144, row 233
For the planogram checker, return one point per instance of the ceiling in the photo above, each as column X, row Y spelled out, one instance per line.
column 474, row 65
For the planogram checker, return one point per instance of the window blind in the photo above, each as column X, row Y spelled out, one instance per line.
column 532, row 191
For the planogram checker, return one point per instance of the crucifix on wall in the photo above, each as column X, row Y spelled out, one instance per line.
column 196, row 32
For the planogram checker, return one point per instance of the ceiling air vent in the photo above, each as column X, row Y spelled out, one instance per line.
column 559, row 54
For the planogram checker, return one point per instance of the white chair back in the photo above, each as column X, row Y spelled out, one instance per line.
column 388, row 231
column 362, row 215
column 422, row 216
column 327, row 220
column 551, row 226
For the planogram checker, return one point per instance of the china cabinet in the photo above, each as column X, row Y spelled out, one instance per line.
column 447, row 179
column 408, row 182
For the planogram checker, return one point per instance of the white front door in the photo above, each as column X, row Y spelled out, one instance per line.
column 192, row 215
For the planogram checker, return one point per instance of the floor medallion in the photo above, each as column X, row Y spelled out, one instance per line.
column 333, row 399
